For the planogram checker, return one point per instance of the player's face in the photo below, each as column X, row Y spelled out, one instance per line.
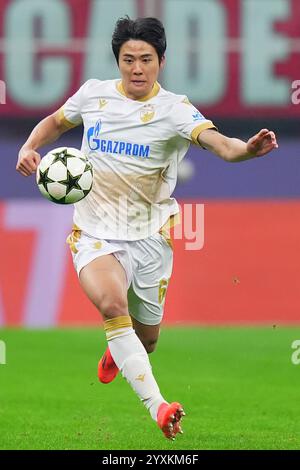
column 139, row 67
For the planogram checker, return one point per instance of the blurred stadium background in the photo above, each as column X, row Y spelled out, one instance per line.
column 238, row 61
column 238, row 69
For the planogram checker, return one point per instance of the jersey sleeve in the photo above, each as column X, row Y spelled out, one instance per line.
column 188, row 121
column 70, row 112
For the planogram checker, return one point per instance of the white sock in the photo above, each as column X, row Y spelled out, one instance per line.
column 132, row 359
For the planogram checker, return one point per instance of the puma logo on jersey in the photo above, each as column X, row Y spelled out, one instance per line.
column 102, row 103
column 186, row 101
column 141, row 377
column 97, row 245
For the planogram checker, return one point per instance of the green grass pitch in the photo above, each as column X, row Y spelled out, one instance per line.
column 238, row 386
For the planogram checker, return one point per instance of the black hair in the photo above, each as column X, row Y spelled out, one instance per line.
column 150, row 30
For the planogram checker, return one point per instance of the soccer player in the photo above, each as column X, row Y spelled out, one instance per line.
column 135, row 134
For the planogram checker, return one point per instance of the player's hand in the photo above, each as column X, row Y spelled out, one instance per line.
column 262, row 143
column 28, row 161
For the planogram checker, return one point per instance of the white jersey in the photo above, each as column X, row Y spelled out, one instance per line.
column 135, row 147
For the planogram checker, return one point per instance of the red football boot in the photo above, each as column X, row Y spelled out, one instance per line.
column 107, row 369
column 169, row 419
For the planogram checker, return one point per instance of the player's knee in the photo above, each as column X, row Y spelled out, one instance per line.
column 113, row 307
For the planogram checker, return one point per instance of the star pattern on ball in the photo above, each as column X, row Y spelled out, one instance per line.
column 59, row 184
column 61, row 156
column 88, row 167
column 43, row 178
column 72, row 182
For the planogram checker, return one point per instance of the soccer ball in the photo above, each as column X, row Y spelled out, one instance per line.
column 64, row 175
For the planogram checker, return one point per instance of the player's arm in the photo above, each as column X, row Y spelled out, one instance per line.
column 235, row 150
column 45, row 132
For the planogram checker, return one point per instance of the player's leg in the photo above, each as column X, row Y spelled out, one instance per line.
column 99, row 279
column 168, row 415
column 105, row 283
column 148, row 334
column 110, row 299
column 146, row 298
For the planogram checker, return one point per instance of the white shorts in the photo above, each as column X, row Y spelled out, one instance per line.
column 147, row 263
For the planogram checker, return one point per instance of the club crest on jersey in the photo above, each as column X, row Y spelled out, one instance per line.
column 102, row 103
column 147, row 113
